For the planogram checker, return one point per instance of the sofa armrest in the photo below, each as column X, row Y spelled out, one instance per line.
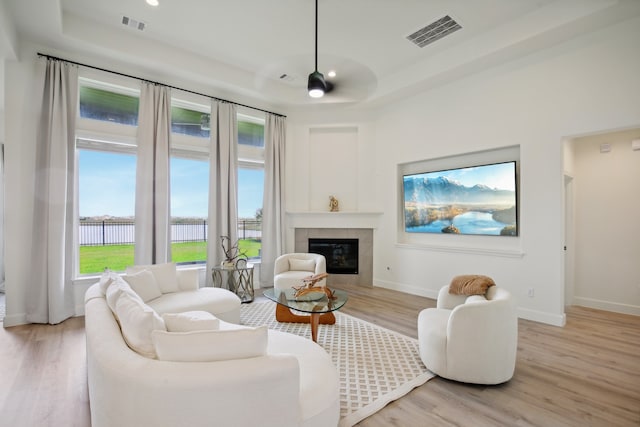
column 188, row 279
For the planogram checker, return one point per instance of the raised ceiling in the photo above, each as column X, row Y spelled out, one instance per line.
column 263, row 50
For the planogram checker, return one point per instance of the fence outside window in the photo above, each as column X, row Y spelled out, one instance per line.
column 121, row 232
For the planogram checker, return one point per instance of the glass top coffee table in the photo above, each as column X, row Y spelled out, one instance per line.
column 314, row 307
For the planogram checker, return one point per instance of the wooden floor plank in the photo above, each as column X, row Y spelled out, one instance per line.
column 585, row 374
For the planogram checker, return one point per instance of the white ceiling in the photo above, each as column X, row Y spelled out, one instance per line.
column 240, row 48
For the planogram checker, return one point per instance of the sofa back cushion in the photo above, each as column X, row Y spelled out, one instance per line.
column 144, row 284
column 137, row 322
column 117, row 287
column 165, row 275
column 302, row 264
column 209, row 346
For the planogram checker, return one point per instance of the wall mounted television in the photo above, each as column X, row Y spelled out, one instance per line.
column 480, row 200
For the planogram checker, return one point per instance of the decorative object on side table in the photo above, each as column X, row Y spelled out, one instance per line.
column 232, row 253
column 333, row 204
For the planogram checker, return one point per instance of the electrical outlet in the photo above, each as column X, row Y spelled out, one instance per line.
column 530, row 292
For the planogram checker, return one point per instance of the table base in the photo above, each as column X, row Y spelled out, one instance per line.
column 284, row 314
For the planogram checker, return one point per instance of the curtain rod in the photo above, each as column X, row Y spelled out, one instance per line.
column 157, row 83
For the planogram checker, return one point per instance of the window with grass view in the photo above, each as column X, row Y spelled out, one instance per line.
column 107, row 174
column 107, row 182
column 189, row 207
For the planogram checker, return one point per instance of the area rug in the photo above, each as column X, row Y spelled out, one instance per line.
column 376, row 365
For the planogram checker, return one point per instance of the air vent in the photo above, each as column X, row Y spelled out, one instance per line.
column 434, row 31
column 132, row 23
column 287, row 78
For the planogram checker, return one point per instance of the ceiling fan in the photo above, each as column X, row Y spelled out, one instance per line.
column 317, row 85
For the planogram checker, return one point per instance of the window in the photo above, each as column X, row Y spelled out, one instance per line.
column 190, row 122
column 108, row 103
column 250, row 182
column 106, row 148
column 107, row 182
column 189, row 209
column 250, row 132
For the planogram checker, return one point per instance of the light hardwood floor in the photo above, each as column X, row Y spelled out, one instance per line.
column 585, row 374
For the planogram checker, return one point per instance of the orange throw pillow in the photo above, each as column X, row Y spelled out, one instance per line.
column 470, row 284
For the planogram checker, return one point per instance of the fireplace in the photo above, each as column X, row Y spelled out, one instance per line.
column 341, row 254
column 364, row 238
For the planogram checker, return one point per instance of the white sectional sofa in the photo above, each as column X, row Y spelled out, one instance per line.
column 242, row 377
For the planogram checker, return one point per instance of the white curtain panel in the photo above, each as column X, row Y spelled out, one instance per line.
column 153, row 211
column 1, row 217
column 223, row 181
column 50, row 297
column 273, row 214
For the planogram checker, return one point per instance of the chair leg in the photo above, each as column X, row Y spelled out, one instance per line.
column 284, row 314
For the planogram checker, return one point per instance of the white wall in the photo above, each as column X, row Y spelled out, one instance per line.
column 607, row 201
column 587, row 85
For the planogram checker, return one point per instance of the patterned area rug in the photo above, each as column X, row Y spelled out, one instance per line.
column 376, row 365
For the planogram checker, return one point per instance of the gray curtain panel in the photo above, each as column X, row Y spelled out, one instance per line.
column 223, row 181
column 50, row 297
column 153, row 212
column 273, row 210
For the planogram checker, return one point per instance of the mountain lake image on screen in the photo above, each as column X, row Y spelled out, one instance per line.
column 479, row 200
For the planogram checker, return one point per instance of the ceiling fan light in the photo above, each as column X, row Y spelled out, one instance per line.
column 316, row 85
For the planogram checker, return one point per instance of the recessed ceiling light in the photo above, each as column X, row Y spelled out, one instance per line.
column 331, row 73
column 153, row 2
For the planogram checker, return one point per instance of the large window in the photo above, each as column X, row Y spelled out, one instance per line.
column 189, row 207
column 106, row 141
column 106, row 207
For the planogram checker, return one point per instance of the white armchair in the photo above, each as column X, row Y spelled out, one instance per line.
column 471, row 339
column 288, row 271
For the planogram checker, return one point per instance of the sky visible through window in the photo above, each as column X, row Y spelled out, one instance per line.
column 107, row 186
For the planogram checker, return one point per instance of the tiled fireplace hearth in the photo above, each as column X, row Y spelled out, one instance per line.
column 364, row 276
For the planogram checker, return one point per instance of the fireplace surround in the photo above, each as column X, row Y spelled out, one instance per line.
column 364, row 236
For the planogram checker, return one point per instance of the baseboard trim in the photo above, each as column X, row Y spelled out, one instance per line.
column 616, row 307
column 413, row 290
column 542, row 317
column 14, row 320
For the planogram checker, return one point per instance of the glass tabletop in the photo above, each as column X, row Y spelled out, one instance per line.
column 319, row 305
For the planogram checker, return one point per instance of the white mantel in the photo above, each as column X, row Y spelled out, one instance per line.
column 342, row 219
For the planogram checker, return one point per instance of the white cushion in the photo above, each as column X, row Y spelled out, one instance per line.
column 115, row 289
column 222, row 303
column 209, row 346
column 191, row 321
column 165, row 274
column 144, row 284
column 106, row 279
column 302, row 264
column 137, row 321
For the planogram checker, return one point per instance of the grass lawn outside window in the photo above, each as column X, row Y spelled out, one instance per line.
column 94, row 259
